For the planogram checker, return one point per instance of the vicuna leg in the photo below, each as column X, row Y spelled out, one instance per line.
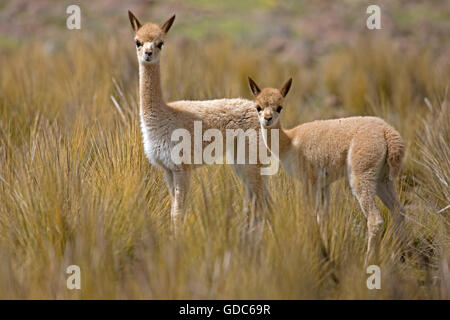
column 241, row 173
column 322, row 195
column 387, row 194
column 365, row 162
column 257, row 199
column 322, row 200
column 321, row 192
column 168, row 178
column 321, row 208
column 181, row 181
column 364, row 188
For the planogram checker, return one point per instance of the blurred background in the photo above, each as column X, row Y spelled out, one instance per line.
column 288, row 26
column 75, row 187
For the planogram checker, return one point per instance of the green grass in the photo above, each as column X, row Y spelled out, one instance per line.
column 419, row 12
column 75, row 187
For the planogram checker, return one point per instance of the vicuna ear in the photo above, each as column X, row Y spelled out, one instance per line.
column 166, row 25
column 135, row 24
column 285, row 88
column 254, row 87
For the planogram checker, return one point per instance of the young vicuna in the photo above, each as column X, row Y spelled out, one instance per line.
column 159, row 120
column 366, row 148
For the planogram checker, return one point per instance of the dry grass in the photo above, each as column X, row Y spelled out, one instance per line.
column 75, row 187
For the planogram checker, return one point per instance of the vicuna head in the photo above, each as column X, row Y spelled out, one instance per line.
column 149, row 38
column 269, row 102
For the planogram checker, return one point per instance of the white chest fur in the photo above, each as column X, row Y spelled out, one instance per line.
column 156, row 144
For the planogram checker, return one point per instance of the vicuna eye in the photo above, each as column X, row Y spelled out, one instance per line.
column 160, row 45
column 279, row 109
column 138, row 43
column 258, row 108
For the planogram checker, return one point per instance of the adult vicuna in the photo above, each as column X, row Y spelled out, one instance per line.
column 159, row 120
column 366, row 148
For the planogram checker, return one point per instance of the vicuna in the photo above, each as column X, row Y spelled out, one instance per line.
column 159, row 119
column 366, row 149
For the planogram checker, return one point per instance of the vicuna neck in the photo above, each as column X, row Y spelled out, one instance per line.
column 150, row 87
column 284, row 140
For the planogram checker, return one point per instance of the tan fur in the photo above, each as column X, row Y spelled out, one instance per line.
column 159, row 119
column 366, row 149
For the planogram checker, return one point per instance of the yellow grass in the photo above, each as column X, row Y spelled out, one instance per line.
column 75, row 187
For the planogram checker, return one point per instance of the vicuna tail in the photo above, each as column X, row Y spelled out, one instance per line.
column 395, row 152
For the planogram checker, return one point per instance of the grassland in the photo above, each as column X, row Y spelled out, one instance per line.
column 75, row 187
